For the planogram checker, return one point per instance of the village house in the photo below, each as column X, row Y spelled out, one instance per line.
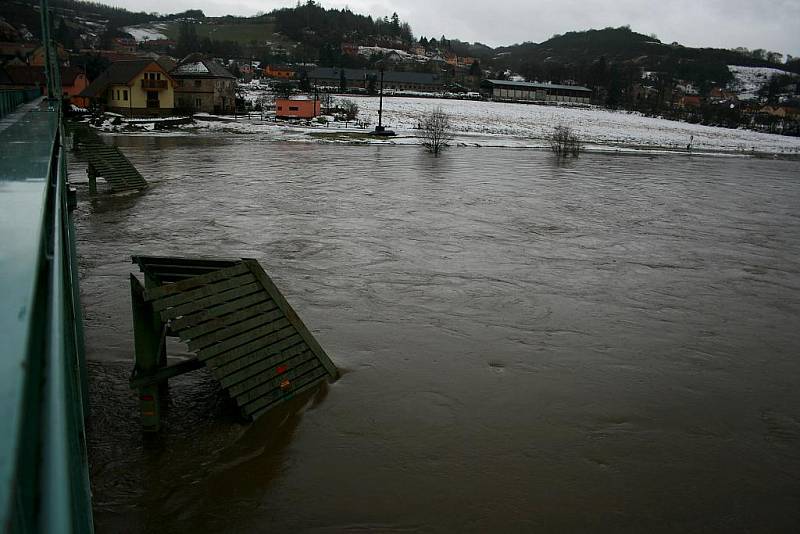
column 123, row 44
column 139, row 87
column 689, row 102
column 418, row 50
column 297, row 107
column 73, row 80
column 350, row 49
column 279, row 71
column 784, row 112
column 16, row 53
column 38, row 58
column 202, row 84
column 508, row 90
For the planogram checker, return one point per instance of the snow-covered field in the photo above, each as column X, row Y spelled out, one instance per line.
column 478, row 123
column 505, row 123
column 750, row 79
column 146, row 32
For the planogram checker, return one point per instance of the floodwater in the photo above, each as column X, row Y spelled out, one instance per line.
column 606, row 345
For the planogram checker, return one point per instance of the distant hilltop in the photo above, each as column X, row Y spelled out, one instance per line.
column 623, row 68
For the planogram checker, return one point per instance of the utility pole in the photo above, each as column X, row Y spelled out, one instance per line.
column 380, row 105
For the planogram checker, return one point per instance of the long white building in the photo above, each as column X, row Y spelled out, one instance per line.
column 536, row 92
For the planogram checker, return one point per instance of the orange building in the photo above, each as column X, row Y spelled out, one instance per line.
column 296, row 108
column 73, row 80
column 279, row 71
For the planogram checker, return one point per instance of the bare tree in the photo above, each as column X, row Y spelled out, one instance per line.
column 326, row 102
column 564, row 142
column 349, row 108
column 437, row 131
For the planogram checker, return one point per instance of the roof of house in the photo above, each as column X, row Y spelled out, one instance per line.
column 118, row 73
column 327, row 73
column 34, row 75
column 196, row 66
column 533, row 85
column 25, row 75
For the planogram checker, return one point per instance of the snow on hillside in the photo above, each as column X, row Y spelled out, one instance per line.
column 750, row 79
column 147, row 32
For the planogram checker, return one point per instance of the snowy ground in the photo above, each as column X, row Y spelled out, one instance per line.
column 146, row 32
column 506, row 125
column 750, row 79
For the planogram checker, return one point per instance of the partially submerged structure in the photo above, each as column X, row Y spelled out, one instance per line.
column 235, row 320
column 107, row 162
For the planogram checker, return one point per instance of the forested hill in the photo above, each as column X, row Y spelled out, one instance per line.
column 309, row 32
column 579, row 55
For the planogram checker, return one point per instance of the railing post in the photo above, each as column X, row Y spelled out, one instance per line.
column 92, row 174
column 147, row 330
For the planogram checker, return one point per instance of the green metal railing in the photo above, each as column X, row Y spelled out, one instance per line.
column 44, row 476
column 11, row 99
column 44, row 480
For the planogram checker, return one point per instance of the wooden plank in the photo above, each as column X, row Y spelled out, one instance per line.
column 273, row 360
column 300, row 383
column 208, row 302
column 307, row 382
column 256, row 299
column 195, row 281
column 197, row 261
column 249, row 326
column 229, row 362
column 260, row 337
column 201, row 292
column 231, row 319
column 291, row 375
column 267, row 283
column 272, row 373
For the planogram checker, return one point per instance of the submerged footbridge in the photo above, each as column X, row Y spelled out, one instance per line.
column 44, row 479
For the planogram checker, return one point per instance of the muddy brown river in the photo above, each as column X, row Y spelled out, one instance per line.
column 606, row 345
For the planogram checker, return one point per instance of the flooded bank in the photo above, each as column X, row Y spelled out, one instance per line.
column 603, row 345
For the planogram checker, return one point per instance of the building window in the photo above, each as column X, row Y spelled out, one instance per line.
column 198, row 83
column 125, row 94
column 198, row 103
column 294, row 108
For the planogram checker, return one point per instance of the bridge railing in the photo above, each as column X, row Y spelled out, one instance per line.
column 44, row 480
column 11, row 99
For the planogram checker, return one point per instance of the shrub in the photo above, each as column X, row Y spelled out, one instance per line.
column 437, row 131
column 564, row 142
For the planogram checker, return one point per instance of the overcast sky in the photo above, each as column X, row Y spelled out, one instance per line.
column 769, row 24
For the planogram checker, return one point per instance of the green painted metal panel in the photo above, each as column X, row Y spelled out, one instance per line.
column 44, row 484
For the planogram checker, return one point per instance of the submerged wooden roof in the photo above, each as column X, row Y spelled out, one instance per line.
column 237, row 322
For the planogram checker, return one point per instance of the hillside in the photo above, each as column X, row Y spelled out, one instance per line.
column 609, row 58
column 580, row 55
